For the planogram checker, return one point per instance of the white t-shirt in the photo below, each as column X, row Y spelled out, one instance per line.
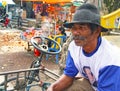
column 101, row 67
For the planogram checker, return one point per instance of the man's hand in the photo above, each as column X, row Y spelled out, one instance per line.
column 61, row 84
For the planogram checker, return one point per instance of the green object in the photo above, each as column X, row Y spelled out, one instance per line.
column 77, row 3
column 67, row 5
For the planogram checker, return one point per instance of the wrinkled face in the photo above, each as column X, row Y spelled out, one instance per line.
column 82, row 34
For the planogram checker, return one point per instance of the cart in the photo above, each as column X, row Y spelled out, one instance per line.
column 25, row 79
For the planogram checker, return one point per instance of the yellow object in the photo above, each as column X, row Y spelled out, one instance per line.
column 4, row 3
column 58, row 40
column 112, row 20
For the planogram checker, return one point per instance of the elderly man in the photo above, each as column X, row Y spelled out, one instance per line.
column 90, row 55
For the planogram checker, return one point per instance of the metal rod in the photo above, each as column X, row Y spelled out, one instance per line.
column 51, row 72
column 6, row 76
column 18, row 71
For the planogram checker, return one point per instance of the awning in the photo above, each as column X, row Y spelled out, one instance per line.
column 50, row 1
column 46, row 1
column 57, row 1
column 31, row 0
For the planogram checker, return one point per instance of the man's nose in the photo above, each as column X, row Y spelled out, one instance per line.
column 76, row 32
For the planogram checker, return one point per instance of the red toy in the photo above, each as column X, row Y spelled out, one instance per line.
column 7, row 20
column 36, row 52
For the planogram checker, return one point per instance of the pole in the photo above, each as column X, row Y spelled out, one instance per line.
column 21, row 3
column 7, row 8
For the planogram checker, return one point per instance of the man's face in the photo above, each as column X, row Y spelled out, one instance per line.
column 82, row 34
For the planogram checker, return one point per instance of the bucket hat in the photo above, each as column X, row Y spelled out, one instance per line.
column 86, row 13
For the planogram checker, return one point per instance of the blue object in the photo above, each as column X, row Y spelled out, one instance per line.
column 0, row 4
column 54, row 49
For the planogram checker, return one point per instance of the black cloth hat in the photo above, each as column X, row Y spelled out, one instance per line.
column 86, row 13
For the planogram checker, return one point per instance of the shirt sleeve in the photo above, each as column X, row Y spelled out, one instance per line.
column 70, row 69
column 109, row 78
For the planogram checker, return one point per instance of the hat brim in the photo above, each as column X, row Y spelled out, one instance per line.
column 69, row 25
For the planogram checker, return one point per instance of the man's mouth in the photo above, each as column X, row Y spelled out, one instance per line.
column 78, row 38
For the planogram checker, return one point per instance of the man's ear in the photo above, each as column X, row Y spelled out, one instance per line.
column 98, row 31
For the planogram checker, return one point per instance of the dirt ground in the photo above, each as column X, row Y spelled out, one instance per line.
column 14, row 56
column 13, row 53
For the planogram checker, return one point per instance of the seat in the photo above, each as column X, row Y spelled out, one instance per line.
column 55, row 48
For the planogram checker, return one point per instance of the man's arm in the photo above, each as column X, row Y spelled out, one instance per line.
column 61, row 84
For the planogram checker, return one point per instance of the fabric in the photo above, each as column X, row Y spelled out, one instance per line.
column 51, row 1
column 101, row 67
column 20, row 12
column 64, row 53
column 56, row 1
column 80, row 84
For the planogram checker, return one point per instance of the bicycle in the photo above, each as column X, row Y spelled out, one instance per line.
column 27, row 78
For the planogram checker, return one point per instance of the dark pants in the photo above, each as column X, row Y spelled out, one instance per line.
column 81, row 84
column 19, row 22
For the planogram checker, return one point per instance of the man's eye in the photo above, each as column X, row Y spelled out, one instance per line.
column 73, row 28
column 81, row 27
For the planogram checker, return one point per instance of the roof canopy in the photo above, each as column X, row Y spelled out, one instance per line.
column 47, row 1
column 50, row 1
column 57, row 1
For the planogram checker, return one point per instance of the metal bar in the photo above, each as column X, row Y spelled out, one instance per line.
column 31, row 69
column 5, row 82
column 18, row 71
column 50, row 76
column 51, row 72
column 17, row 81
column 25, row 74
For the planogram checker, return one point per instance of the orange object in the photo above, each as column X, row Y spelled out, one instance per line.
column 50, row 1
column 33, row 32
column 56, row 1
column 36, row 52
column 25, row 34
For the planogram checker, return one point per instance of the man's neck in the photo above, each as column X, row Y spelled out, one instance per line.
column 93, row 48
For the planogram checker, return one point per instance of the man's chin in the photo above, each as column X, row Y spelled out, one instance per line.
column 78, row 44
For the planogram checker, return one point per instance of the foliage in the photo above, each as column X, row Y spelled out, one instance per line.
column 112, row 5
